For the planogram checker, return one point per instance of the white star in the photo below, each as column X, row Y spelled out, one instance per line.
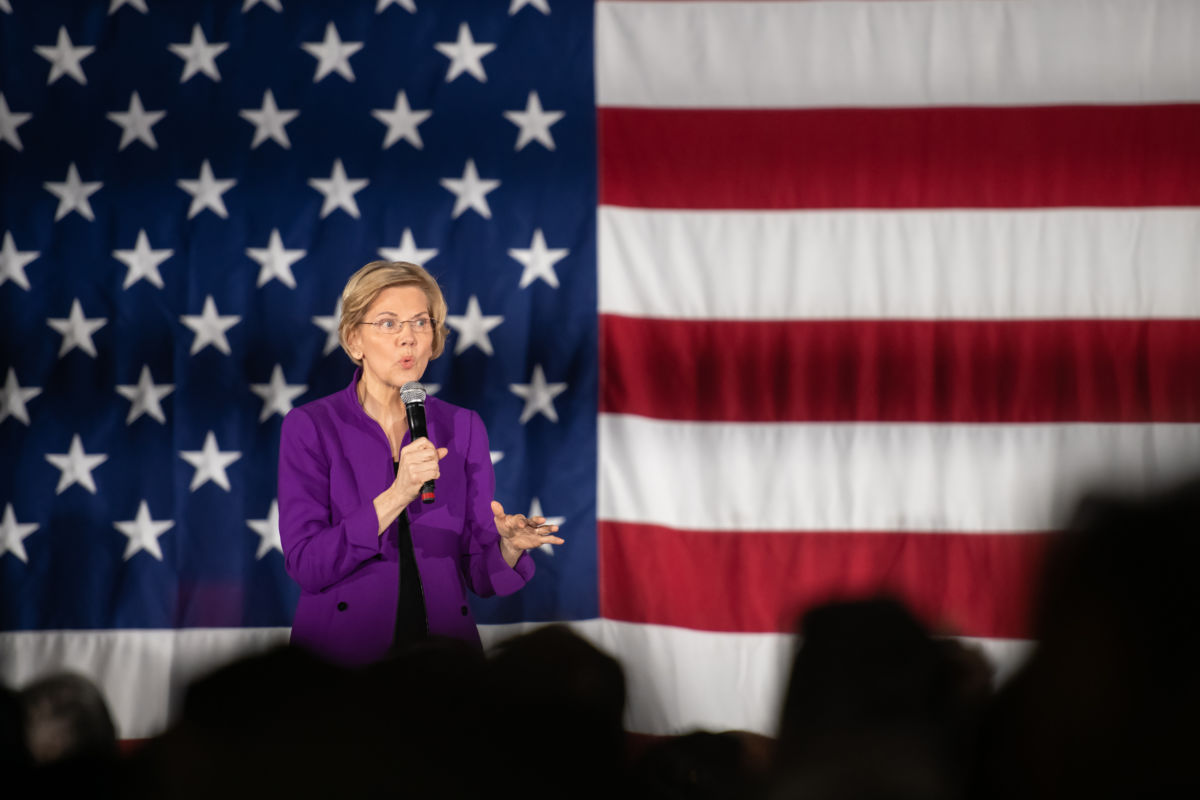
column 407, row 5
column 496, row 456
column 64, row 59
column 539, row 395
column 268, row 531
column 332, row 54
column 76, row 466
column 432, row 388
column 13, row 261
column 145, row 397
column 13, row 534
column 541, row 5
column 268, row 121
column 210, row 327
column 210, row 463
column 277, row 395
column 143, row 532
column 473, row 327
column 339, row 191
column 470, row 192
column 535, row 510
column 330, row 326
column 273, row 4
column 199, row 56
column 140, row 5
column 408, row 251
column 534, row 123
column 465, row 55
column 77, row 330
column 136, row 123
column 401, row 122
column 206, row 192
column 73, row 194
column 10, row 121
column 13, row 397
column 539, row 260
column 142, row 261
column 275, row 261
column 5, row 7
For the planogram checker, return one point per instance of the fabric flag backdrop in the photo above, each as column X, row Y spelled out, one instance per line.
column 769, row 302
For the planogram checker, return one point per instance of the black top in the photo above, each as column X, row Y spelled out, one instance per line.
column 411, row 624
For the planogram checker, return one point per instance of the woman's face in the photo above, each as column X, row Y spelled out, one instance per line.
column 394, row 359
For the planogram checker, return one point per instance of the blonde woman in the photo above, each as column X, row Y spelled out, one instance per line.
column 378, row 568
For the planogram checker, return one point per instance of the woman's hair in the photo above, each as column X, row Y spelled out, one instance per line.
column 366, row 284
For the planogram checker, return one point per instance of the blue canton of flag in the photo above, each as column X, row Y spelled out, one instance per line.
column 186, row 188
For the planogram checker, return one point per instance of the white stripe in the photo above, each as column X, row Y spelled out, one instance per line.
column 142, row 673
column 930, row 53
column 677, row 680
column 875, row 477
column 1062, row 263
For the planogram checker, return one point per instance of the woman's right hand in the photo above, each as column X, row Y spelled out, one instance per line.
column 418, row 463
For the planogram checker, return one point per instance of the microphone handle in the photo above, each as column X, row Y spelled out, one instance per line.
column 416, row 426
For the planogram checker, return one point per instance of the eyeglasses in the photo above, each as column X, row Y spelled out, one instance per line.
column 392, row 326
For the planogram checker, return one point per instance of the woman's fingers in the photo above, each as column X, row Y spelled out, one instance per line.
column 419, row 447
column 422, row 453
column 524, row 532
column 419, row 462
column 532, row 539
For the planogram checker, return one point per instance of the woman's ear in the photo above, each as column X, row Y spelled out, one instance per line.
column 354, row 343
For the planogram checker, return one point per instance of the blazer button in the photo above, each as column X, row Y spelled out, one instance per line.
column 464, row 610
column 342, row 606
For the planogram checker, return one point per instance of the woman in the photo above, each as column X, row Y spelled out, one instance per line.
column 376, row 566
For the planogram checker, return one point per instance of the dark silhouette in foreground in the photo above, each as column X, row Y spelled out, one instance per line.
column 1109, row 704
column 876, row 707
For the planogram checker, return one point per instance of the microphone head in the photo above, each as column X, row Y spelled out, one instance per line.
column 412, row 392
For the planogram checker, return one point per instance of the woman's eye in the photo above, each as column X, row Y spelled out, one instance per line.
column 419, row 324
column 387, row 324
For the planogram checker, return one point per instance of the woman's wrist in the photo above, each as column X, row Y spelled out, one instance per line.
column 402, row 497
column 389, row 504
column 510, row 553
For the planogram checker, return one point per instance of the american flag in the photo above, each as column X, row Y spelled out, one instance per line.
column 767, row 303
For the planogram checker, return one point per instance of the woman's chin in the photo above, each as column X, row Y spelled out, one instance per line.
column 401, row 376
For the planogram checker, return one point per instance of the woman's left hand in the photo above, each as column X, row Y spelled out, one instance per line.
column 519, row 533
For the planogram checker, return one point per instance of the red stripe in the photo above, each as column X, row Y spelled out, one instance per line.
column 902, row 370
column 967, row 584
column 1012, row 157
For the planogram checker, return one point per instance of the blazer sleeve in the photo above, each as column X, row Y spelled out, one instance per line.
column 318, row 550
column 483, row 565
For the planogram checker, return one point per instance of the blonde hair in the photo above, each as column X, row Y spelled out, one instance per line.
column 366, row 285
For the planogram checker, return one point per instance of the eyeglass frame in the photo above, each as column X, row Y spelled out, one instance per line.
column 400, row 323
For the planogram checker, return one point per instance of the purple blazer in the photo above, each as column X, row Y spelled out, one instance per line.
column 333, row 461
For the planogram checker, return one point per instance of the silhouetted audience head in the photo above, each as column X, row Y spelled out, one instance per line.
column 70, row 737
column 1108, row 703
column 266, row 724
column 422, row 715
column 876, row 707
column 66, row 717
column 287, row 723
column 556, row 698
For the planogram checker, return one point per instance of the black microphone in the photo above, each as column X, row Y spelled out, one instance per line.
column 413, row 395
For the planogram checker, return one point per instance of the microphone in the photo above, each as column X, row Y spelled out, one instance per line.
column 413, row 395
